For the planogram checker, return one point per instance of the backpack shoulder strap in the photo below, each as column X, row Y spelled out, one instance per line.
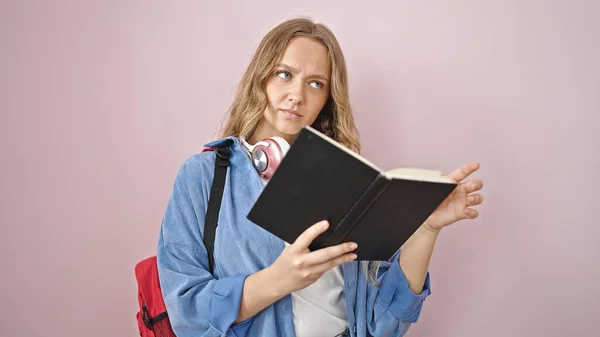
column 214, row 200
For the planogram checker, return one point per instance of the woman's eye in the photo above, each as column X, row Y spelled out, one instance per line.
column 316, row 84
column 284, row 74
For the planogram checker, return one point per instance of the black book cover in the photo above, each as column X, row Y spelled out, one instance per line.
column 319, row 179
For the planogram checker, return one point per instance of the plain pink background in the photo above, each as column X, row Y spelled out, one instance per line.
column 101, row 102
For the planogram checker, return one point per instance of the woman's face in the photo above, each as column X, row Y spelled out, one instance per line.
column 298, row 89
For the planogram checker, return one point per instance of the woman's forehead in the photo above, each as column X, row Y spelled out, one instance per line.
column 306, row 55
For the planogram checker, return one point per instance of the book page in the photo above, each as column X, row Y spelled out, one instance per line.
column 418, row 174
column 400, row 173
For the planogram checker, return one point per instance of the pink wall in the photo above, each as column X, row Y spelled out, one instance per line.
column 102, row 101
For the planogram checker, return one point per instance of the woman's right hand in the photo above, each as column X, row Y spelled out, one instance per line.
column 297, row 267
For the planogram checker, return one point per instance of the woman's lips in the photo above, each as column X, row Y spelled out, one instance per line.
column 291, row 113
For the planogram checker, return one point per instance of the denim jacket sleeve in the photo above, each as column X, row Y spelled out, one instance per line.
column 197, row 303
column 395, row 307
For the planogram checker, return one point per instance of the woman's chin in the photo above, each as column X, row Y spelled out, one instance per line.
column 289, row 129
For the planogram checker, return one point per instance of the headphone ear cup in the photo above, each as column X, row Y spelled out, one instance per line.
column 267, row 155
column 283, row 145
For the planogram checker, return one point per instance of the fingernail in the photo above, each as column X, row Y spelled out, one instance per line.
column 324, row 224
column 353, row 245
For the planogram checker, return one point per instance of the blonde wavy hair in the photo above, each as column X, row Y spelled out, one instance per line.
column 335, row 120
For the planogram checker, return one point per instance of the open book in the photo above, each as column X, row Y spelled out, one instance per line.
column 320, row 179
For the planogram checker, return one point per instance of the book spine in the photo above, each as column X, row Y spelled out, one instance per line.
column 360, row 208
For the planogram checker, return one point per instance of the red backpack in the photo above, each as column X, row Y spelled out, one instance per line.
column 153, row 319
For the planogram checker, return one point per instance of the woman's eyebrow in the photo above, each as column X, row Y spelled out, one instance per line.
column 292, row 69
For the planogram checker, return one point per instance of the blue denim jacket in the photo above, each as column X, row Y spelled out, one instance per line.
column 200, row 304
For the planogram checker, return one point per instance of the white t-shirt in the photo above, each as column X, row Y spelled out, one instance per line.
column 320, row 308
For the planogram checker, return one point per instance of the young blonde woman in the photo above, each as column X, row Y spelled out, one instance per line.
column 262, row 286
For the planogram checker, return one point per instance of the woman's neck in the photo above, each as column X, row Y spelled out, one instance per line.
column 264, row 130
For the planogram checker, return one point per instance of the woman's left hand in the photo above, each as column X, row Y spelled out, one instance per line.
column 457, row 205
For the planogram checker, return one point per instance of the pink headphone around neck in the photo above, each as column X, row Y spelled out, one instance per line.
column 268, row 154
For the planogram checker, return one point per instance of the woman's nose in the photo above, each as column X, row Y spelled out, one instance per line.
column 296, row 93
